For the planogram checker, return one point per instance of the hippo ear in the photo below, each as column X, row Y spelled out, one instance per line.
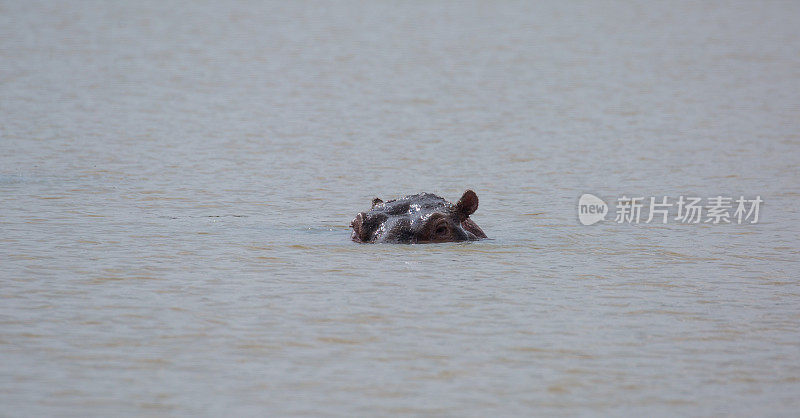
column 467, row 205
column 376, row 201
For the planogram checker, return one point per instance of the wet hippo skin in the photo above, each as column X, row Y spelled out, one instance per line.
column 419, row 218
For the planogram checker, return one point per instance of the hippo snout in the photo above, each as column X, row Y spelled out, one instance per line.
column 365, row 226
column 357, row 225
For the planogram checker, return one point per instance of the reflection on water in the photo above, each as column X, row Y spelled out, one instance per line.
column 177, row 180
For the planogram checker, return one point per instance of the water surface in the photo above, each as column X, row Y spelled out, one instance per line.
column 177, row 180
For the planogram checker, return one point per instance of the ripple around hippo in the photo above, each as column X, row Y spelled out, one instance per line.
column 419, row 218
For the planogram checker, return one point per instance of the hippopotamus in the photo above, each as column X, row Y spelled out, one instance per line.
column 416, row 219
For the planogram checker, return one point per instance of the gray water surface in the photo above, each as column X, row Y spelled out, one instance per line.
column 177, row 180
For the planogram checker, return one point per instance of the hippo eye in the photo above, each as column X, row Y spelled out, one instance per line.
column 442, row 230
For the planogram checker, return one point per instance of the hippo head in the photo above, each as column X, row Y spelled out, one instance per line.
column 418, row 218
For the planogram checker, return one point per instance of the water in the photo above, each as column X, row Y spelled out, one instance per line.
column 177, row 179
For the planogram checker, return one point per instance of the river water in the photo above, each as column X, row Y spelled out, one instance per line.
column 177, row 180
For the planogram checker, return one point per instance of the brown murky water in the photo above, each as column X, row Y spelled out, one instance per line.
column 176, row 181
